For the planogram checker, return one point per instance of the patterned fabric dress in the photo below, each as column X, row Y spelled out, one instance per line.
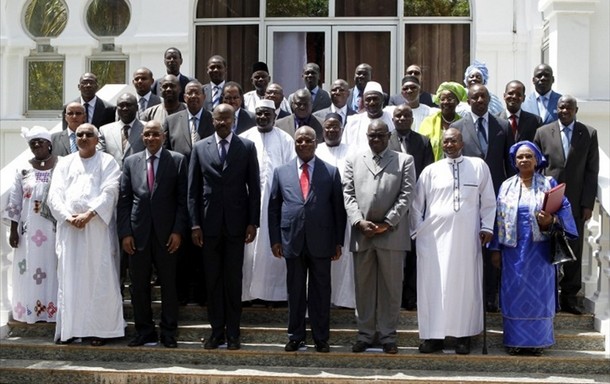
column 34, row 278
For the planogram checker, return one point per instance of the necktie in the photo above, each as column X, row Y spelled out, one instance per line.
column 565, row 140
column 542, row 107
column 234, row 126
column 223, row 151
column 216, row 96
column 142, row 103
column 86, row 106
column 125, row 136
column 194, row 134
column 513, row 125
column 313, row 95
column 377, row 160
column 150, row 172
column 482, row 135
column 73, row 147
column 304, row 181
column 403, row 143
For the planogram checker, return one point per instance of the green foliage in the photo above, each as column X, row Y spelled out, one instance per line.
column 109, row 71
column 297, row 8
column 46, row 18
column 437, row 7
column 108, row 17
column 45, row 85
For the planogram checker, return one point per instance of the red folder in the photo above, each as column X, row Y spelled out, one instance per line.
column 553, row 199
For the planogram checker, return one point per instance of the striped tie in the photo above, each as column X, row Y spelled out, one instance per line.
column 73, row 147
column 216, row 96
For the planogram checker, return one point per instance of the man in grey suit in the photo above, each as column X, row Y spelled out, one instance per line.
column 217, row 71
column 523, row 124
column 311, row 77
column 404, row 139
column 64, row 143
column 233, row 95
column 301, row 105
column 97, row 111
column 124, row 137
column 224, row 205
column 489, row 138
column 377, row 187
column 543, row 101
column 306, row 193
column 571, row 148
column 338, row 96
column 152, row 218
column 142, row 82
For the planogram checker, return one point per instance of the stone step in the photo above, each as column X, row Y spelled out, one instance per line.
column 82, row 372
column 565, row 339
column 553, row 362
column 340, row 317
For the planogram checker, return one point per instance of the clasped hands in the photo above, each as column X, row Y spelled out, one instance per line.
column 370, row 229
column 79, row 220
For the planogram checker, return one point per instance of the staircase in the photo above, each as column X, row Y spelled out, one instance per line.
column 29, row 355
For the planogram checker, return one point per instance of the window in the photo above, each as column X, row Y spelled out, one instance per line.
column 297, row 8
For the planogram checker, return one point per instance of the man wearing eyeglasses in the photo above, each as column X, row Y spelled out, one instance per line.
column 378, row 188
column 64, row 142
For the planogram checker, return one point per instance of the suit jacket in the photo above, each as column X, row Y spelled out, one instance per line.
column 287, row 124
column 397, row 100
column 178, row 131
column 531, row 105
column 581, row 168
column 111, row 140
column 224, row 197
column 321, row 114
column 208, row 104
column 282, row 114
column 184, row 80
column 245, row 121
column 526, row 125
column 500, row 139
column 418, row 146
column 60, row 143
column 321, row 101
column 104, row 113
column 317, row 222
column 350, row 99
column 380, row 194
column 164, row 211
column 153, row 100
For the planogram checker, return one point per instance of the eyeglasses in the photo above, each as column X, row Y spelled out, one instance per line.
column 85, row 134
column 74, row 113
column 377, row 135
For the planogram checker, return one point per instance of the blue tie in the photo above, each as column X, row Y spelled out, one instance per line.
column 565, row 140
column 223, row 151
column 73, row 147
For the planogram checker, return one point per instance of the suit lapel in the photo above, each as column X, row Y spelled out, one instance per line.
column 470, row 135
column 212, row 148
column 66, row 140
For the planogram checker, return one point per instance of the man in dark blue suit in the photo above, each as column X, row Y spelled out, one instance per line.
column 172, row 58
column 224, row 204
column 307, row 227
column 152, row 217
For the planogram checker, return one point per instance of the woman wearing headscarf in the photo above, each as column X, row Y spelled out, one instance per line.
column 34, row 294
column 448, row 96
column 528, row 295
column 477, row 73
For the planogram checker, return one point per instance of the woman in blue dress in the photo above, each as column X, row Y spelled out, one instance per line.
column 528, row 293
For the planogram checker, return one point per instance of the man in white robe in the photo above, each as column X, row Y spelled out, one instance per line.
column 356, row 127
column 334, row 152
column 452, row 216
column 82, row 197
column 264, row 276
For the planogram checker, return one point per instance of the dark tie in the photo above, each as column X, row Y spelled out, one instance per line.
column 513, row 125
column 150, row 172
column 125, row 135
column 223, row 151
column 142, row 104
column 194, row 134
column 304, row 181
column 482, row 135
column 86, row 106
column 216, row 96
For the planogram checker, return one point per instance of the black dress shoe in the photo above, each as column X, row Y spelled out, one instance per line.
column 169, row 342
column 462, row 346
column 150, row 339
column 213, row 342
column 65, row 342
column 294, row 345
column 573, row 309
column 322, row 346
column 233, row 343
column 390, row 348
column 431, row 345
column 360, row 346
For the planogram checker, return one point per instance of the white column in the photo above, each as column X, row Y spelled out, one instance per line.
column 569, row 43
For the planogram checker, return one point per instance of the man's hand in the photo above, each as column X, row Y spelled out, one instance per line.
column 80, row 220
column 382, row 227
column 250, row 233
column 174, row 242
column 368, row 228
column 197, row 237
column 485, row 237
column 586, row 213
column 129, row 245
column 277, row 250
column 337, row 254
